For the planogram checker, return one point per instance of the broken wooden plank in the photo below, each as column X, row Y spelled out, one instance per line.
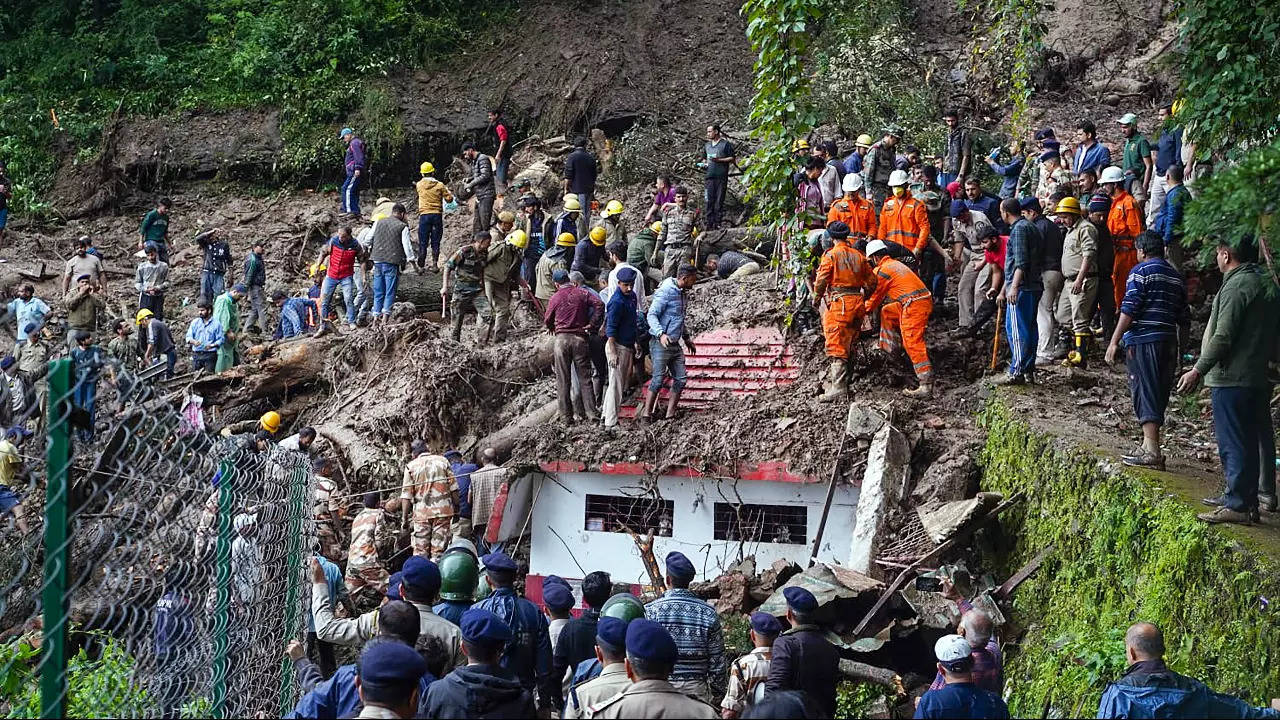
column 1027, row 571
column 862, row 672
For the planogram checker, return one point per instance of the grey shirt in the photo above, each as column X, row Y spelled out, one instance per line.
column 152, row 276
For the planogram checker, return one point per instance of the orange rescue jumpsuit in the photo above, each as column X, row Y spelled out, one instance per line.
column 905, row 220
column 908, row 305
column 1125, row 224
column 844, row 272
column 856, row 212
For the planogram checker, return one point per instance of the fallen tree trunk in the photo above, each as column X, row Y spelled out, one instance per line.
column 504, row 439
column 292, row 363
column 862, row 672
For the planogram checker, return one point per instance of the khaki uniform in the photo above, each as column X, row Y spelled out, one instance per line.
column 429, row 484
column 676, row 241
column 369, row 532
column 500, row 270
column 353, row 632
column 650, row 699
column 326, row 509
column 1075, row 311
column 611, row 681
column 745, row 675
column 33, row 359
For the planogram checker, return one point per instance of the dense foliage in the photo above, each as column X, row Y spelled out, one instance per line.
column 101, row 686
column 1125, row 549
column 1238, row 201
column 317, row 60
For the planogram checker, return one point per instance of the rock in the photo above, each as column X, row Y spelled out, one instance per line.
column 953, row 476
column 941, row 520
column 544, row 182
column 863, row 421
column 707, row 590
column 883, row 486
column 733, row 593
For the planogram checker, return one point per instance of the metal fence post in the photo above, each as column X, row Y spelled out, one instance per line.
column 57, row 549
column 297, row 574
column 222, row 581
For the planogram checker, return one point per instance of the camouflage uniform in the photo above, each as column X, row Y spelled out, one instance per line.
column 467, row 267
column 326, row 510
column 370, row 532
column 430, row 486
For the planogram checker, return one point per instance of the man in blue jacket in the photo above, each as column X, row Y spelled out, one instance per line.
column 527, row 651
column 353, row 166
column 666, row 326
column 1149, row 689
column 1168, row 220
column 621, row 327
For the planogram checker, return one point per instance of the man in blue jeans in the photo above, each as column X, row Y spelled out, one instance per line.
column 339, row 257
column 666, row 325
column 1023, row 282
column 353, row 165
column 1239, row 340
column 391, row 249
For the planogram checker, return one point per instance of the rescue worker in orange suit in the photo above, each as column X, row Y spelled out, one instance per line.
column 1125, row 223
column 843, row 276
column 904, row 219
column 907, row 306
column 854, row 209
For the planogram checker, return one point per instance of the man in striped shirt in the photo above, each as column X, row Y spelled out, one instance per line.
column 1155, row 299
column 701, row 670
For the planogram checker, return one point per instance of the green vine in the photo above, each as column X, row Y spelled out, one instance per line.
column 1006, row 59
column 1241, row 200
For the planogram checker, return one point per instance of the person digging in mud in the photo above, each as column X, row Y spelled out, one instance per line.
column 295, row 315
column 666, row 318
column 907, row 307
column 466, row 269
column 501, row 277
column 573, row 313
column 846, row 273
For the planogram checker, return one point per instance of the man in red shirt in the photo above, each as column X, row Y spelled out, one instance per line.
column 341, row 253
column 573, row 313
column 501, row 155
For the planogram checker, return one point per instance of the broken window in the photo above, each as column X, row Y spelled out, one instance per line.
column 612, row 513
column 762, row 523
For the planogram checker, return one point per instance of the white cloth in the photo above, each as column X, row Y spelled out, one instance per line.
column 637, row 286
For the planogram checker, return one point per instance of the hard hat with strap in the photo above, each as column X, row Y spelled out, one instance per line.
column 566, row 240
column 518, row 238
column 572, row 204
column 270, row 421
column 1068, row 205
column 613, row 208
column 864, row 140
column 624, row 606
column 656, row 227
column 1111, row 174
column 898, row 177
column 459, row 573
column 143, row 314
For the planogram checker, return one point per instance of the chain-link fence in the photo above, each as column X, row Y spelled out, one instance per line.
column 152, row 569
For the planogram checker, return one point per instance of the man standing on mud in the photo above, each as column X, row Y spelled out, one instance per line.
column 580, row 169
column 572, row 314
column 720, row 157
column 353, row 165
column 155, row 229
column 481, row 185
column 430, row 492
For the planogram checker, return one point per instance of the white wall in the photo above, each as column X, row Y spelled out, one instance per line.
column 562, row 505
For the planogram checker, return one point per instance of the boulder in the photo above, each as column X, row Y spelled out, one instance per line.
column 953, row 476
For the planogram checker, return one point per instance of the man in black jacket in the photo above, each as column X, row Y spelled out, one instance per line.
column 482, row 688
column 580, row 179
column 578, row 638
column 802, row 658
column 481, row 185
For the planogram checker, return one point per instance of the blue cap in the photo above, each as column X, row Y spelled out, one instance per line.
column 612, row 631
column 240, row 288
column 1051, row 144
column 482, row 627
column 393, row 586
column 7, row 362
column 679, row 567
column 557, row 596
column 958, row 208
column 391, row 664
column 30, row 328
column 765, row 624
column 151, row 246
column 1030, row 203
column 560, row 276
column 648, row 640
column 453, row 454
column 1050, row 154
column 346, row 131
column 626, row 275
column 800, row 600
column 555, row 580
column 421, row 576
column 499, row 561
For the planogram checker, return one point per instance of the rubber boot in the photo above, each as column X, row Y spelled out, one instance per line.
column 650, row 404
column 924, row 390
column 672, row 402
column 836, row 384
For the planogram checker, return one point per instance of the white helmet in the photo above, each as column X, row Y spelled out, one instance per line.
column 898, row 177
column 876, row 246
column 852, row 183
column 1111, row 174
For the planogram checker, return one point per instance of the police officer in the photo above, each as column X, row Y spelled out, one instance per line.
column 459, row 572
column 803, row 659
column 611, row 655
column 483, row 687
column 528, row 655
column 389, row 674
column 651, row 655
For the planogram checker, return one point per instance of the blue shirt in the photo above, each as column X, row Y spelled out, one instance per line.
column 293, row 317
column 1009, row 174
column 174, row 625
column 1168, row 150
column 26, row 312
column 1024, row 251
column 1094, row 158
column 462, row 472
column 621, row 322
column 989, row 205
column 1156, row 298
column 337, row 697
column 452, row 610
column 666, row 311
column 853, row 163
column 1168, row 220
column 204, row 335
column 528, row 655
column 961, row 700
column 337, row 588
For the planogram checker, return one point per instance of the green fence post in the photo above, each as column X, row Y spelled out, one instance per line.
column 298, row 577
column 57, row 549
column 222, row 581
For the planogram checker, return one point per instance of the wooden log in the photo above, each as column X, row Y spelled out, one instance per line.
column 504, row 439
column 862, row 672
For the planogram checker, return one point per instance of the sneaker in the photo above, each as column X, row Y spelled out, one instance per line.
column 1144, row 459
column 1217, row 501
column 1267, row 502
column 1227, row 515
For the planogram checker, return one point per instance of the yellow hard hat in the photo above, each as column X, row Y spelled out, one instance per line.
column 143, row 314
column 656, row 227
column 597, row 235
column 864, row 140
column 316, row 268
column 270, row 421
column 800, row 144
column 1177, row 106
column 613, row 208
column 571, row 203
column 1068, row 204
column 566, row 240
column 426, row 168
column 506, row 216
column 518, row 238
